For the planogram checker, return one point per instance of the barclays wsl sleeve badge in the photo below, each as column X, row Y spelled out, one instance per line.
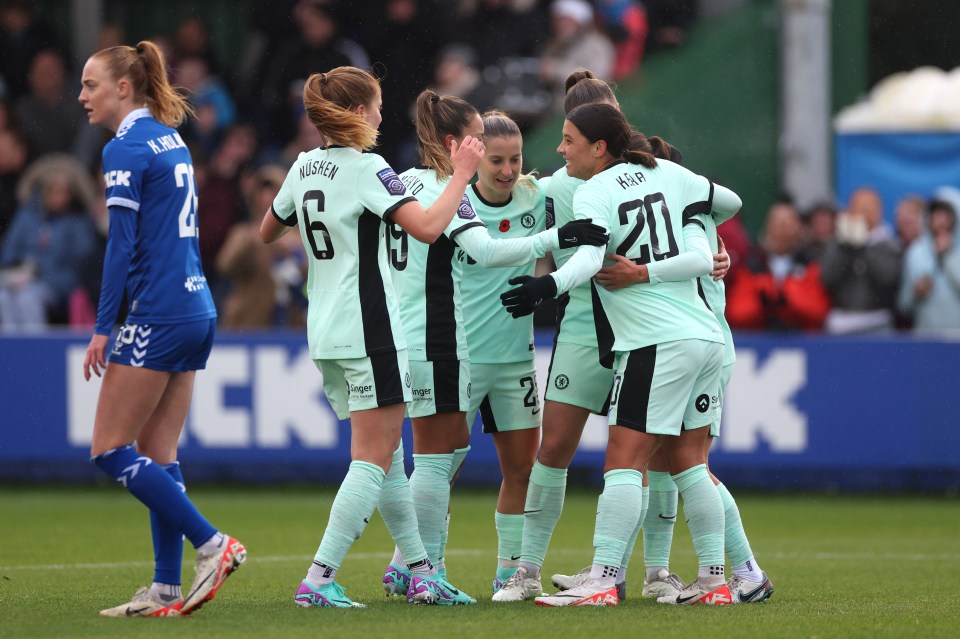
column 391, row 181
column 465, row 210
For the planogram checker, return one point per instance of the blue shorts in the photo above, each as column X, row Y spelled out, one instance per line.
column 174, row 348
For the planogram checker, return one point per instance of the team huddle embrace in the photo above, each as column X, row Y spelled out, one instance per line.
column 421, row 289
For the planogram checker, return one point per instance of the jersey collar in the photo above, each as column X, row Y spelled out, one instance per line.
column 611, row 165
column 496, row 205
column 132, row 117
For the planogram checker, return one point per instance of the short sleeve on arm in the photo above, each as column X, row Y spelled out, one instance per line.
column 379, row 188
column 284, row 207
column 124, row 163
column 699, row 192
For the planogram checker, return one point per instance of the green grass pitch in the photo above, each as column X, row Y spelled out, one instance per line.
column 841, row 566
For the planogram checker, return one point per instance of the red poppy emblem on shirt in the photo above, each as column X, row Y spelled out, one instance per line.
column 504, row 226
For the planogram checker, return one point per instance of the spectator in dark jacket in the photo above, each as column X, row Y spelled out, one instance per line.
column 861, row 268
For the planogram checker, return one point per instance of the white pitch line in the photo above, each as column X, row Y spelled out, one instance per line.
column 256, row 560
column 856, row 556
column 839, row 556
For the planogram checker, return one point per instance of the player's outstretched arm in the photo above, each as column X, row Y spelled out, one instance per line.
column 427, row 225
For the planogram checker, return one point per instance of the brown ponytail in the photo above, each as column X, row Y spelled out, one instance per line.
column 437, row 117
column 600, row 121
column 660, row 148
column 146, row 70
column 582, row 88
column 331, row 99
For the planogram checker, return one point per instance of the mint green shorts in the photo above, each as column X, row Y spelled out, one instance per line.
column 664, row 388
column 365, row 382
column 577, row 378
column 506, row 396
column 441, row 386
column 725, row 376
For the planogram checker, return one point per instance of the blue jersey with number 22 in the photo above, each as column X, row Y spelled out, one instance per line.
column 149, row 174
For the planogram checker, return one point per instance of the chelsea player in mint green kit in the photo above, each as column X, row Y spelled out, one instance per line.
column 341, row 197
column 580, row 370
column 153, row 256
column 503, row 374
column 667, row 368
column 432, row 319
column 749, row 583
column 578, row 385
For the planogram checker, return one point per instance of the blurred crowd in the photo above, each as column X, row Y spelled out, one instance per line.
column 848, row 271
column 510, row 54
column 835, row 269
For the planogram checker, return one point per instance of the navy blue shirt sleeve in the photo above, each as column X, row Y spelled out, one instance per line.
column 116, row 265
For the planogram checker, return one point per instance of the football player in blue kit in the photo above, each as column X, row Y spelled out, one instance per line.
column 153, row 256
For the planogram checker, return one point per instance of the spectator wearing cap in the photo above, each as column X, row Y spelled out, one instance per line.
column 575, row 43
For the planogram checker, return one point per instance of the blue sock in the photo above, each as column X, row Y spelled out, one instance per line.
column 157, row 490
column 167, row 540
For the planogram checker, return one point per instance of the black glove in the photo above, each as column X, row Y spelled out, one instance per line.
column 528, row 295
column 581, row 233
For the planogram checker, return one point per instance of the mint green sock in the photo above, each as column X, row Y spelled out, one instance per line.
column 542, row 510
column 618, row 513
column 396, row 508
column 459, row 455
column 636, row 533
column 660, row 519
column 442, row 554
column 351, row 510
column 430, row 486
column 704, row 514
column 735, row 540
column 509, row 537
